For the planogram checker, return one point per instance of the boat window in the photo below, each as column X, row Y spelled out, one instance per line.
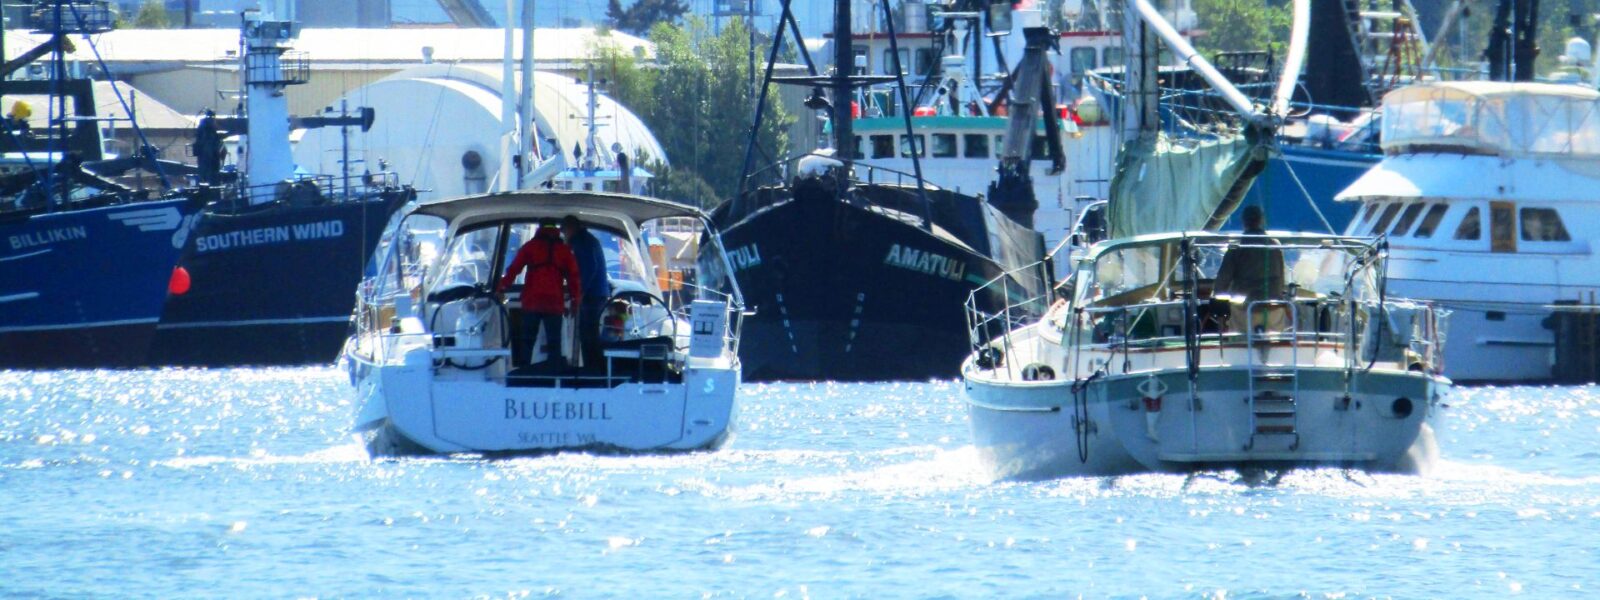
column 1111, row 57
column 1543, row 225
column 977, row 145
column 1431, row 220
column 944, row 145
column 921, row 143
column 883, row 146
column 999, row 144
column 857, row 146
column 924, row 59
column 888, row 61
column 1502, row 225
column 1082, row 60
column 1469, row 229
column 1388, row 217
column 469, row 261
column 1406, row 219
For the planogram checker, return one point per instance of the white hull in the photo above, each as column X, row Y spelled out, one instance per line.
column 407, row 409
column 1025, row 430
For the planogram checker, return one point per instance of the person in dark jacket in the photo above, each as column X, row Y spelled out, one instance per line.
column 1253, row 274
column 549, row 291
column 596, row 286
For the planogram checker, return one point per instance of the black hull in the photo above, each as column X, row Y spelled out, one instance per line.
column 843, row 291
column 271, row 286
column 112, row 346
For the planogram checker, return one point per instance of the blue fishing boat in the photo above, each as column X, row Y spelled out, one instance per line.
column 84, row 260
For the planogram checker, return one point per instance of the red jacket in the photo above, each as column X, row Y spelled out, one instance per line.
column 550, row 263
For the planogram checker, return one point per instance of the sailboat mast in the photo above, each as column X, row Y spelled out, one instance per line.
column 508, row 110
column 843, row 67
column 525, row 117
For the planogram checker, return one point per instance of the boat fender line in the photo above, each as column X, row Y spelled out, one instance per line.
column 1080, row 413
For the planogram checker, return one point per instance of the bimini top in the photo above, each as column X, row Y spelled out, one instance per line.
column 1493, row 118
column 1281, row 238
column 552, row 203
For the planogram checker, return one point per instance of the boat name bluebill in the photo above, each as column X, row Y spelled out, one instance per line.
column 925, row 262
column 269, row 235
column 556, row 411
column 48, row 236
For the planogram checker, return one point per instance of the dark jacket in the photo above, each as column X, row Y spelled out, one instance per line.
column 591, row 267
column 550, row 266
column 1255, row 273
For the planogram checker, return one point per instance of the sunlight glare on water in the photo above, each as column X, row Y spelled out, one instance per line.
column 247, row 483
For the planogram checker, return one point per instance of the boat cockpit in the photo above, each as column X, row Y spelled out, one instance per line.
column 436, row 281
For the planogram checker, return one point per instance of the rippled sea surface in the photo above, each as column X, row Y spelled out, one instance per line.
column 244, row 483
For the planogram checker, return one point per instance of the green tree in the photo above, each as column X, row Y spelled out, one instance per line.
column 152, row 15
column 644, row 14
column 1242, row 25
column 696, row 99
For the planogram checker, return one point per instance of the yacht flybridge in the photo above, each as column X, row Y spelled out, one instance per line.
column 1145, row 364
column 431, row 356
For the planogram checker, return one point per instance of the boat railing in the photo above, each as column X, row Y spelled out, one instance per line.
column 315, row 189
column 985, row 328
column 782, row 170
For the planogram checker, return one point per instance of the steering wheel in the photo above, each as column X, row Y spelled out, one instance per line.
column 644, row 298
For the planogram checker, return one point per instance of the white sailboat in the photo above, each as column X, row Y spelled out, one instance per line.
column 431, row 357
column 1151, row 357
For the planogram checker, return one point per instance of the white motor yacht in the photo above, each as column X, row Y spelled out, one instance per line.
column 431, row 356
column 1486, row 198
column 1141, row 365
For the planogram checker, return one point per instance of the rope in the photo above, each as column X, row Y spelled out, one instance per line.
column 1304, row 193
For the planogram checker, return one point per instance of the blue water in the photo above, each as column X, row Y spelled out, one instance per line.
column 243, row 483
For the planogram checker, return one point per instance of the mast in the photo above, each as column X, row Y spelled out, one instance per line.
column 525, row 124
column 505, row 180
column 844, row 61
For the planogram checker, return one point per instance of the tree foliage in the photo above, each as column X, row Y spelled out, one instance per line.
column 152, row 15
column 1242, row 25
column 697, row 100
column 643, row 14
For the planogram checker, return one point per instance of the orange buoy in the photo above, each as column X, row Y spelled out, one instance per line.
column 923, row 111
column 179, row 284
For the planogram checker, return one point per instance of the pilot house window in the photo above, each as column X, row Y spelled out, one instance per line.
column 1386, row 219
column 1470, row 227
column 977, row 145
column 944, row 145
column 882, row 146
column 1406, row 219
column 1431, row 220
column 1543, row 225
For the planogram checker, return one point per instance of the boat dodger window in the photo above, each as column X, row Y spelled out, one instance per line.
column 1150, row 273
column 407, row 249
column 469, row 260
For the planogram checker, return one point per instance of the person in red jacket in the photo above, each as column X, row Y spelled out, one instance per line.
column 550, row 290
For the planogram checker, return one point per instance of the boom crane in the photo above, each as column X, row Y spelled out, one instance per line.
column 1031, row 96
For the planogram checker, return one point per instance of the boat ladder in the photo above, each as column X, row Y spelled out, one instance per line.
column 1273, row 389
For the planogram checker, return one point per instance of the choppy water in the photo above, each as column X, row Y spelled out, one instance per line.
column 244, row 483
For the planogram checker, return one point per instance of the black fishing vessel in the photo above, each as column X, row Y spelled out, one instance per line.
column 861, row 274
column 268, row 274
